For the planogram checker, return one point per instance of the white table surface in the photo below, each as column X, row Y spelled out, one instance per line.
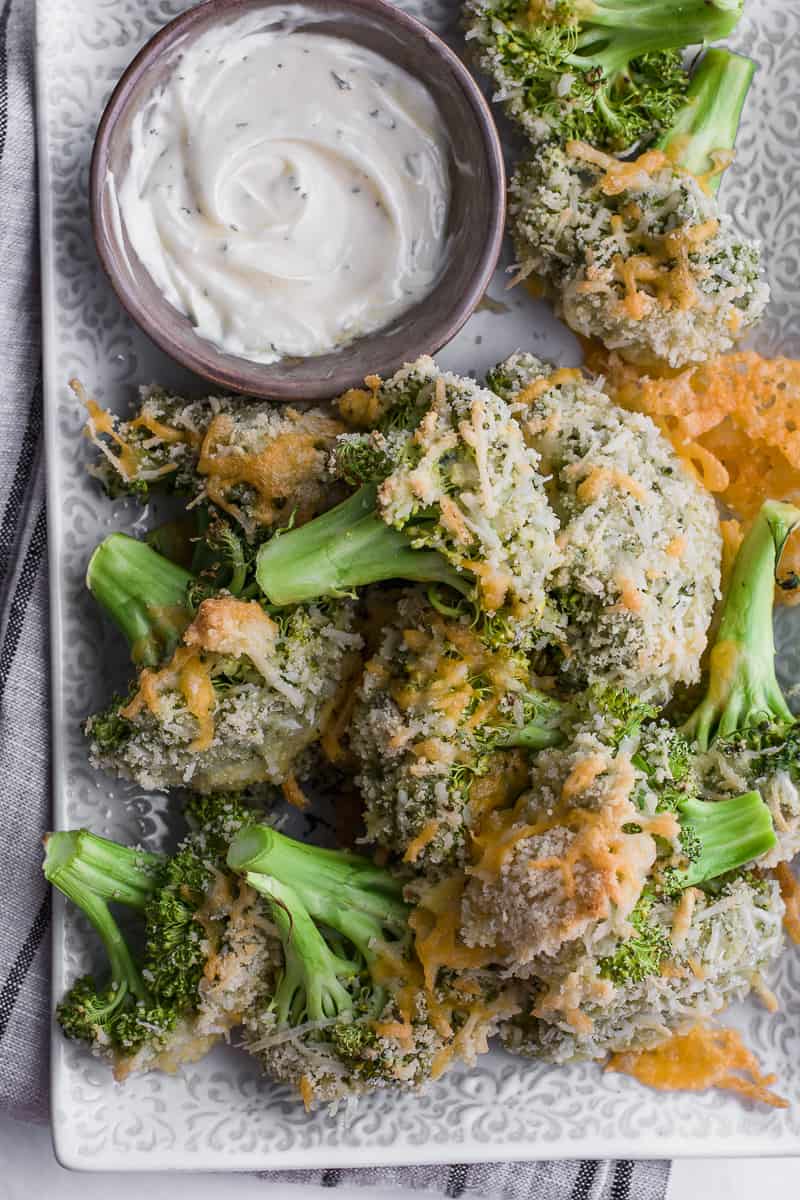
column 29, row 1171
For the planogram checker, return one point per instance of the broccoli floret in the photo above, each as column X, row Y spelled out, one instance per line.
column 463, row 506
column 714, row 961
column 254, row 461
column 743, row 727
column 640, row 955
column 608, row 71
column 360, row 458
column 236, row 701
column 639, row 540
column 622, row 712
column 743, row 690
column 638, row 254
column 352, row 1009
column 334, row 912
column 438, row 720
column 207, row 950
column 144, row 594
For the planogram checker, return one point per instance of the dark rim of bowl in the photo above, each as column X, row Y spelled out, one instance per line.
column 337, row 381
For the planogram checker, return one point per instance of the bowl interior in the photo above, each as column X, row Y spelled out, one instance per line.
column 475, row 222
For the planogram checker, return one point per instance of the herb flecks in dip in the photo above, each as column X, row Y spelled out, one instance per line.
column 287, row 191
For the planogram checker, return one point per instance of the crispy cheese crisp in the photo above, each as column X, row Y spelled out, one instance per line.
column 736, row 423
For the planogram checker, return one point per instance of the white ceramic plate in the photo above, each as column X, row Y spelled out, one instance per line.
column 219, row 1114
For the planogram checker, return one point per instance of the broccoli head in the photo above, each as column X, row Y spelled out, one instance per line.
column 639, row 540
column 681, row 961
column 609, row 72
column 350, row 1011
column 241, row 696
column 439, row 732
column 745, row 732
column 259, row 463
column 208, row 950
column 463, row 505
column 638, row 254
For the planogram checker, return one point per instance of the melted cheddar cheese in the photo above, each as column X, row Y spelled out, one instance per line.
column 705, row 1057
column 733, row 422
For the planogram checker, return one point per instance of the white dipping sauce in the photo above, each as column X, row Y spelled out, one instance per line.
column 287, row 191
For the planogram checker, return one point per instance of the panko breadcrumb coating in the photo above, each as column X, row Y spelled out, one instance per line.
column 637, row 255
column 260, row 463
column 717, row 947
column 639, row 537
column 240, row 700
column 425, row 770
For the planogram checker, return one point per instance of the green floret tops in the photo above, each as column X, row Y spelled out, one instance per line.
column 636, row 254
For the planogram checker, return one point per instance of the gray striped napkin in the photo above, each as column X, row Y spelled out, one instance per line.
column 24, row 715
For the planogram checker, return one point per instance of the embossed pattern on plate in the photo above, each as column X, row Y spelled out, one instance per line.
column 219, row 1114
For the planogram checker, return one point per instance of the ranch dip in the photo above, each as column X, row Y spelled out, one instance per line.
column 287, row 190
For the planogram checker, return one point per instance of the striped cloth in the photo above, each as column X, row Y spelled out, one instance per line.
column 24, row 720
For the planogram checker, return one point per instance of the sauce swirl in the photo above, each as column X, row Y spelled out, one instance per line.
column 287, row 190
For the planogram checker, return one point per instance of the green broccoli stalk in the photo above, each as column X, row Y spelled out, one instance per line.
column 346, row 894
column 346, row 548
column 743, row 689
column 344, row 891
column 718, row 836
column 143, row 593
column 310, row 987
column 92, row 872
column 545, row 721
column 604, row 71
column 707, row 125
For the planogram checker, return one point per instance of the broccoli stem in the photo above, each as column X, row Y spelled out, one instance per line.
column 143, row 593
column 613, row 32
column 343, row 549
column 709, row 121
column 344, row 891
column 727, row 834
column 91, row 871
column 544, row 729
column 310, row 988
column 83, row 861
column 743, row 689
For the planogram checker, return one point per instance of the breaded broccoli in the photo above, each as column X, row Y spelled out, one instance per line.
column 350, row 1012
column 612, row 813
column 260, row 463
column 606, row 71
column 681, row 962
column 743, row 723
column 639, row 539
column 437, row 716
column 638, row 254
column 240, row 698
column 209, row 948
column 461, row 503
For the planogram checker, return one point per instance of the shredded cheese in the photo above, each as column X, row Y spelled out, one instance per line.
column 187, row 673
column 732, row 421
column 790, row 893
column 704, row 1057
column 424, row 838
column 293, row 793
column 289, row 465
